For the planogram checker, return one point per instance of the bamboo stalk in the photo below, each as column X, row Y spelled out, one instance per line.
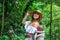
column 2, row 19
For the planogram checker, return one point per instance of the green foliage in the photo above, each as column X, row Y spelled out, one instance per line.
column 14, row 13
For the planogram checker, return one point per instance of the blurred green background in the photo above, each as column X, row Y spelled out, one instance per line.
column 14, row 11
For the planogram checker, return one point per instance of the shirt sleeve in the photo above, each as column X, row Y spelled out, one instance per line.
column 26, row 24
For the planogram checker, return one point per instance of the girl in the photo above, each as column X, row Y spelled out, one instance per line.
column 32, row 25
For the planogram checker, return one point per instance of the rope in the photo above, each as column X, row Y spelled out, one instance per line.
column 12, row 31
column 17, row 36
column 51, row 20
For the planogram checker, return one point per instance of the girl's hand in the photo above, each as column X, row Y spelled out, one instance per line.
column 27, row 14
column 28, row 35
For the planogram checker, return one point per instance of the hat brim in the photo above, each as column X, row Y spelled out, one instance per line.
column 36, row 12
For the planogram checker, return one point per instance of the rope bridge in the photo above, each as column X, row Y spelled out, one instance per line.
column 12, row 31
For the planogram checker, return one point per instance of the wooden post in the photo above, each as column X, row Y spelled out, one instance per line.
column 10, row 32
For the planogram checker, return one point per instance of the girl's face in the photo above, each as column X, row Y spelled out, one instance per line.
column 35, row 16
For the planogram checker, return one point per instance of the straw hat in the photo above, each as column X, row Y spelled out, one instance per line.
column 36, row 12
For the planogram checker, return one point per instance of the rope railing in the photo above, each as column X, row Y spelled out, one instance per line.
column 12, row 31
column 51, row 20
column 24, row 10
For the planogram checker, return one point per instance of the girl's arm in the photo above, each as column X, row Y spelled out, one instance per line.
column 24, row 19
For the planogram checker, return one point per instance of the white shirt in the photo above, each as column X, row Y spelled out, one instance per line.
column 29, row 28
